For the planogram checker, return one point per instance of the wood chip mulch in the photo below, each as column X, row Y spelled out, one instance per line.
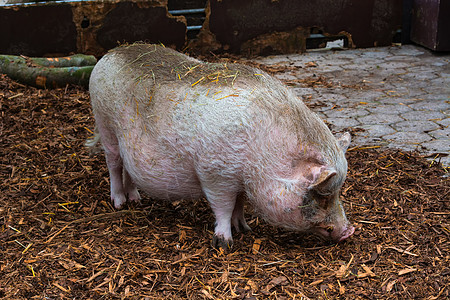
column 60, row 238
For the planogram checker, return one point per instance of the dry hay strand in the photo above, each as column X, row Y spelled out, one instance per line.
column 61, row 238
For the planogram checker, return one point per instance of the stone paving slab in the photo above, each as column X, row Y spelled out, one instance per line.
column 391, row 96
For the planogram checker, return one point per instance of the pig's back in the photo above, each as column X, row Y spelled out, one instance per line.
column 176, row 119
column 167, row 94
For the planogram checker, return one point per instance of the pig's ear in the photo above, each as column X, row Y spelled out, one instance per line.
column 322, row 179
column 344, row 141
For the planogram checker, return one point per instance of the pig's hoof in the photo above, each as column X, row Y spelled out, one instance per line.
column 244, row 228
column 134, row 196
column 240, row 225
column 118, row 200
column 221, row 242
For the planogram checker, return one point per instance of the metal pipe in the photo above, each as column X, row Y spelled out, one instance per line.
column 187, row 11
column 316, row 36
column 194, row 27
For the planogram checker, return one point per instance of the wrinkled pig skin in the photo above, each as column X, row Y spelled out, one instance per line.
column 176, row 127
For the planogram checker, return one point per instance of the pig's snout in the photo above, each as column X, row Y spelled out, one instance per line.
column 348, row 231
column 337, row 234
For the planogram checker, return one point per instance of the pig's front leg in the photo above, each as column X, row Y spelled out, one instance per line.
column 223, row 204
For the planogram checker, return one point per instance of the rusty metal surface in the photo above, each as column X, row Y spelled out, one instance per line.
column 86, row 27
column 247, row 27
column 37, row 30
column 369, row 23
column 129, row 22
column 430, row 24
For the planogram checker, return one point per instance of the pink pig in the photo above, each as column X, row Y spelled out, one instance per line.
column 177, row 127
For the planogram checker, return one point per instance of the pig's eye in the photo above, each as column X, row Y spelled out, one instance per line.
column 323, row 199
column 330, row 229
column 322, row 193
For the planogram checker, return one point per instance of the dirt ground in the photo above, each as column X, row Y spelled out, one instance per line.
column 60, row 238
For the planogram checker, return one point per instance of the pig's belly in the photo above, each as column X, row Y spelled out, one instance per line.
column 161, row 176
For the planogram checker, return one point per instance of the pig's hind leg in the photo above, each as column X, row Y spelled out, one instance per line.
column 237, row 218
column 114, row 163
column 130, row 189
